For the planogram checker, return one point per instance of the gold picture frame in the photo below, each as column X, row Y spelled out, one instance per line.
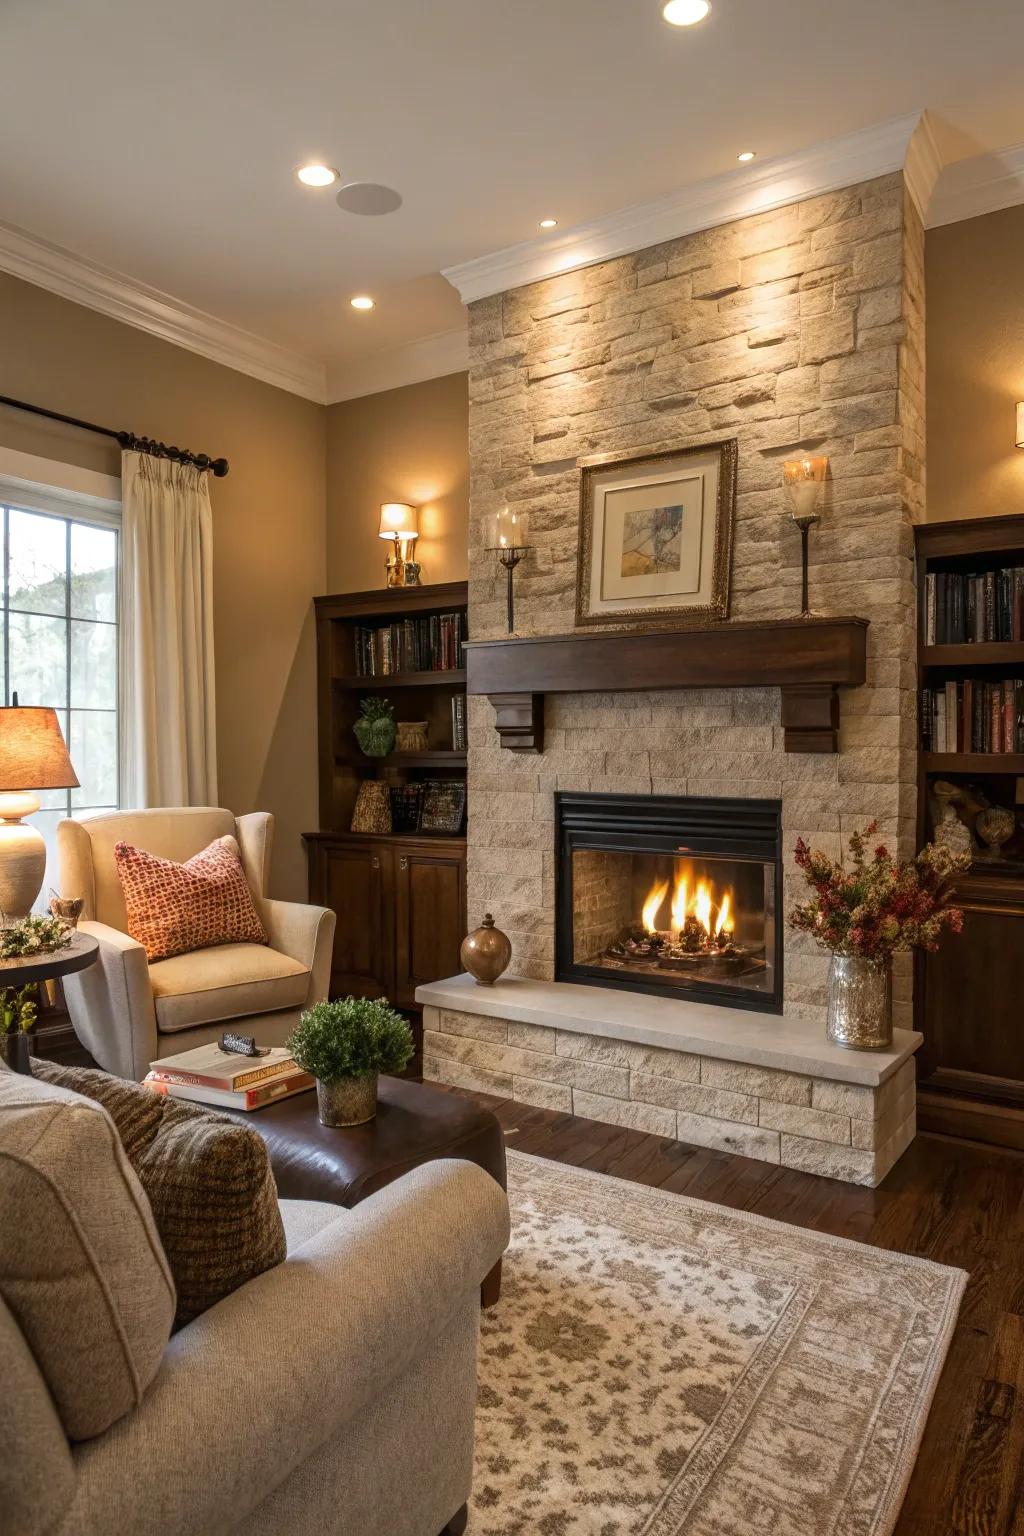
column 655, row 537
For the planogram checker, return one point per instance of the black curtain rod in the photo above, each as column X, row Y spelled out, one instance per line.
column 217, row 467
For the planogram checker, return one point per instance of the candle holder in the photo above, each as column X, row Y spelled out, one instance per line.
column 506, row 536
column 804, row 480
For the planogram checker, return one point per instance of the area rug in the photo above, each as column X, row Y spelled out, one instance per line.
column 659, row 1365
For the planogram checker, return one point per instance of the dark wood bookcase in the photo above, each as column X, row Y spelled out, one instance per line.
column 968, row 994
column 399, row 897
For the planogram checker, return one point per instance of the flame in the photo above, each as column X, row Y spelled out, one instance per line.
column 724, row 914
column 651, row 906
column 679, row 902
column 702, row 906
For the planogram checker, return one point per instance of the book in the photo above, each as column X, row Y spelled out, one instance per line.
column 283, row 1087
column 210, row 1067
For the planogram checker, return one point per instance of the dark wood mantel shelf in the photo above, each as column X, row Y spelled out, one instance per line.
column 808, row 659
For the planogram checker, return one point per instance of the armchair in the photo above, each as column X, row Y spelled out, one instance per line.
column 128, row 1012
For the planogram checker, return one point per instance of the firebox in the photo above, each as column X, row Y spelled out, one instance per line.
column 673, row 895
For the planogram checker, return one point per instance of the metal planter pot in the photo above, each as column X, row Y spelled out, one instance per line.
column 349, row 1101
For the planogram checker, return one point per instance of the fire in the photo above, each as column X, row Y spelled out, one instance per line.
column 652, row 906
column 702, row 906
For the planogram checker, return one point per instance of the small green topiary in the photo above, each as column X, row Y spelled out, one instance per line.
column 351, row 1037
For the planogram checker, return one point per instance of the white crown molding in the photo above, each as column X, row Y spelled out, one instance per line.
column 982, row 184
column 923, row 166
column 122, row 298
column 859, row 156
column 413, row 362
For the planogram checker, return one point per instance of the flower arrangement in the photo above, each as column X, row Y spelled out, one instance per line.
column 880, row 904
column 34, row 936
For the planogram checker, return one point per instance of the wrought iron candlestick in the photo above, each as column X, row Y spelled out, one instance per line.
column 506, row 533
column 510, row 557
column 804, row 480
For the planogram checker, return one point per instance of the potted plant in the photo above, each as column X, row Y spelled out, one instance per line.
column 18, row 1009
column 375, row 728
column 863, row 915
column 344, row 1045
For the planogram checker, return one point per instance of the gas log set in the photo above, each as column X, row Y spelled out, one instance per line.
column 698, row 937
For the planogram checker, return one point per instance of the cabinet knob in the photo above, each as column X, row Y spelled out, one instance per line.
column 376, row 862
column 403, row 862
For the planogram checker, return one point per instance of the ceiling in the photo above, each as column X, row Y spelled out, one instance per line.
column 160, row 141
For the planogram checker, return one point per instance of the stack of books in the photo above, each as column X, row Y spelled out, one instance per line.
column 973, row 716
column 964, row 608
column 223, row 1080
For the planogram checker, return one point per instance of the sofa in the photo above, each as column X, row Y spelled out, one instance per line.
column 128, row 1012
column 331, row 1396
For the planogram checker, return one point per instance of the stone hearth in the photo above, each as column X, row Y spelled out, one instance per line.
column 737, row 1081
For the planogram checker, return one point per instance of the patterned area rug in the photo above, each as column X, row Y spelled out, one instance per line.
column 658, row 1365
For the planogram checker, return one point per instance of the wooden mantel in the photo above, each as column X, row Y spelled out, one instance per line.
column 808, row 659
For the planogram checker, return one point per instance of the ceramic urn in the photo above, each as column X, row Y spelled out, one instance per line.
column 486, row 952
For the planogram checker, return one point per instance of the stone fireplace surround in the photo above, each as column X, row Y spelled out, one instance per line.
column 800, row 329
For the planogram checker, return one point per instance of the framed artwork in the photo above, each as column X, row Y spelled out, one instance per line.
column 655, row 541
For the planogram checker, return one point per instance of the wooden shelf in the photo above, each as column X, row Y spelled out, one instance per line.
column 809, row 659
column 442, row 758
column 452, row 679
column 973, row 762
column 988, row 653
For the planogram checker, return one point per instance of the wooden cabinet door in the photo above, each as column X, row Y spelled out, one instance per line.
column 351, row 878
column 430, row 917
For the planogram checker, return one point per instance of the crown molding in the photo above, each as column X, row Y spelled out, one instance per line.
column 859, row 156
column 982, row 184
column 431, row 357
column 922, row 166
column 147, row 309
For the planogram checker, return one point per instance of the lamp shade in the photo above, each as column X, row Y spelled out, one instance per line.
column 1020, row 423
column 398, row 517
column 32, row 751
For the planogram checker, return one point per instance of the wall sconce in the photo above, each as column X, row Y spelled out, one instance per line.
column 804, row 480
column 400, row 522
column 506, row 534
column 1020, row 423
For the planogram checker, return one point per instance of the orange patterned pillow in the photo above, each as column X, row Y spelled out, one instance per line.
column 175, row 908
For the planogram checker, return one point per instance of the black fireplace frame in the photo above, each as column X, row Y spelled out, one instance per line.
column 744, row 830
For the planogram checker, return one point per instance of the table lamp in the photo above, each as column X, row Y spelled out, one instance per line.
column 400, row 521
column 32, row 757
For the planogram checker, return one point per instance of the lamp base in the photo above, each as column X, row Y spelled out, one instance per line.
column 22, row 857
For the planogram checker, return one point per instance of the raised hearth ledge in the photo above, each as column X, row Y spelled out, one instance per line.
column 698, row 1029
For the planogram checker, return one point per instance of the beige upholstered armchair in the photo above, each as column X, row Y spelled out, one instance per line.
column 127, row 1012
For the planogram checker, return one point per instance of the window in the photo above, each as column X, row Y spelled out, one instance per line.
column 60, row 647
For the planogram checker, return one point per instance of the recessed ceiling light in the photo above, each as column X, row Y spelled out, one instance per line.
column 317, row 175
column 548, row 223
column 748, row 154
column 361, row 301
column 685, row 13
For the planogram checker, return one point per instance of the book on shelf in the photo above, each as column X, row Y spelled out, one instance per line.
column 431, row 643
column 459, row 722
column 283, row 1086
column 974, row 608
column 210, row 1067
column 973, row 715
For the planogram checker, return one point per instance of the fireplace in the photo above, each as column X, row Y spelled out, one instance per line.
column 672, row 895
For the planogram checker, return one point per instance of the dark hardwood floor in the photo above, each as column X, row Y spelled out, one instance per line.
column 956, row 1202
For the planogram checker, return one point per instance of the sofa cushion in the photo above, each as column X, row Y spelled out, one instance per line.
column 82, row 1269
column 208, row 1180
column 226, row 982
column 175, row 908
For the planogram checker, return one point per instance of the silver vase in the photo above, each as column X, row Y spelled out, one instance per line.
column 349, row 1101
column 860, row 1003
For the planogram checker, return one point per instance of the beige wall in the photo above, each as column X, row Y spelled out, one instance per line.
column 268, row 521
column 975, row 278
column 409, row 444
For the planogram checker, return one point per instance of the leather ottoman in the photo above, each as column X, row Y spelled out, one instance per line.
column 415, row 1123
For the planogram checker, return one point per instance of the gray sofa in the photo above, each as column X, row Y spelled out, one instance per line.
column 334, row 1395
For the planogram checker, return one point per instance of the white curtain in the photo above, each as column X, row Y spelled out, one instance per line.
column 168, row 731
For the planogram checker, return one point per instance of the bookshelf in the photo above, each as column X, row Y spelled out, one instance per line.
column 971, row 736
column 399, row 896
